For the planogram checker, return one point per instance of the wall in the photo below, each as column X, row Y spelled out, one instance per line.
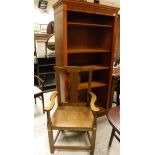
column 42, row 16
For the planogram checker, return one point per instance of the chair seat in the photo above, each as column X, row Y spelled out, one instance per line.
column 37, row 90
column 72, row 117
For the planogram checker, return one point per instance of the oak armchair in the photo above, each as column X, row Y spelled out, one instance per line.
column 72, row 114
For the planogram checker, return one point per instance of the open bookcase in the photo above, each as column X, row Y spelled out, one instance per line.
column 85, row 36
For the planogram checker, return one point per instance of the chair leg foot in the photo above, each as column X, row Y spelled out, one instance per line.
column 43, row 103
column 91, row 153
column 35, row 100
column 51, row 142
column 111, row 137
column 93, row 141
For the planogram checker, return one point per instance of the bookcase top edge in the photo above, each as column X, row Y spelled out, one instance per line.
column 87, row 4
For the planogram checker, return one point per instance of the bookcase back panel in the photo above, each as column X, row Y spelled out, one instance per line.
column 102, row 96
column 83, row 95
column 85, row 59
column 89, row 38
column 73, row 16
column 101, row 76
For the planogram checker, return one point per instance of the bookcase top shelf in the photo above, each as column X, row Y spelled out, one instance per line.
column 88, row 25
column 87, row 50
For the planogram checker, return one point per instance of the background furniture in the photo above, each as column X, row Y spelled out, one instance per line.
column 114, row 119
column 45, row 55
column 115, row 87
column 50, row 31
column 38, row 89
column 41, row 36
column 47, row 73
column 85, row 35
column 75, row 114
column 50, row 27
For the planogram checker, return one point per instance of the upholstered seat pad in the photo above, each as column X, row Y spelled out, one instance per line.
column 75, row 117
column 37, row 90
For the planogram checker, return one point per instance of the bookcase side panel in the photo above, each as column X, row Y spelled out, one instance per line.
column 61, row 44
column 112, row 59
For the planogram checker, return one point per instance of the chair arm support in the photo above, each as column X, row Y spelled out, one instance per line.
column 40, row 82
column 92, row 102
column 52, row 102
column 39, row 78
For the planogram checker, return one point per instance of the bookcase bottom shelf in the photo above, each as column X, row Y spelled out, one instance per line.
column 94, row 67
column 94, row 84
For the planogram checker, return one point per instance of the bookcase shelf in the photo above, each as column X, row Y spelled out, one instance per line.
column 88, row 25
column 85, row 36
column 88, row 50
column 95, row 67
column 94, row 84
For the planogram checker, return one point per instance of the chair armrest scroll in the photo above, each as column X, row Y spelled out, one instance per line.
column 92, row 102
column 52, row 102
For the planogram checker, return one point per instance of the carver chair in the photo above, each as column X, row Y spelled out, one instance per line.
column 71, row 113
column 114, row 119
column 38, row 89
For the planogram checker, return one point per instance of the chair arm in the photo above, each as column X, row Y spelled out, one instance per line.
column 40, row 81
column 92, row 102
column 52, row 102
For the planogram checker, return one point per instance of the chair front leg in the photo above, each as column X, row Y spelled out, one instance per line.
column 93, row 141
column 50, row 132
column 43, row 102
column 111, row 137
column 51, row 141
column 35, row 100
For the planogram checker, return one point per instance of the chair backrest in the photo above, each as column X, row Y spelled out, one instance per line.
column 71, row 76
column 40, row 48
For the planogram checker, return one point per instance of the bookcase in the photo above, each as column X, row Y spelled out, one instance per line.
column 85, row 35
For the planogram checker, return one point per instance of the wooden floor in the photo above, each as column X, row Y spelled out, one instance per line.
column 41, row 146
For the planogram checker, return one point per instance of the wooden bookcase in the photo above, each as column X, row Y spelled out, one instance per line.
column 85, row 36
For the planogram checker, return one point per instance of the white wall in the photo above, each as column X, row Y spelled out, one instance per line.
column 43, row 17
